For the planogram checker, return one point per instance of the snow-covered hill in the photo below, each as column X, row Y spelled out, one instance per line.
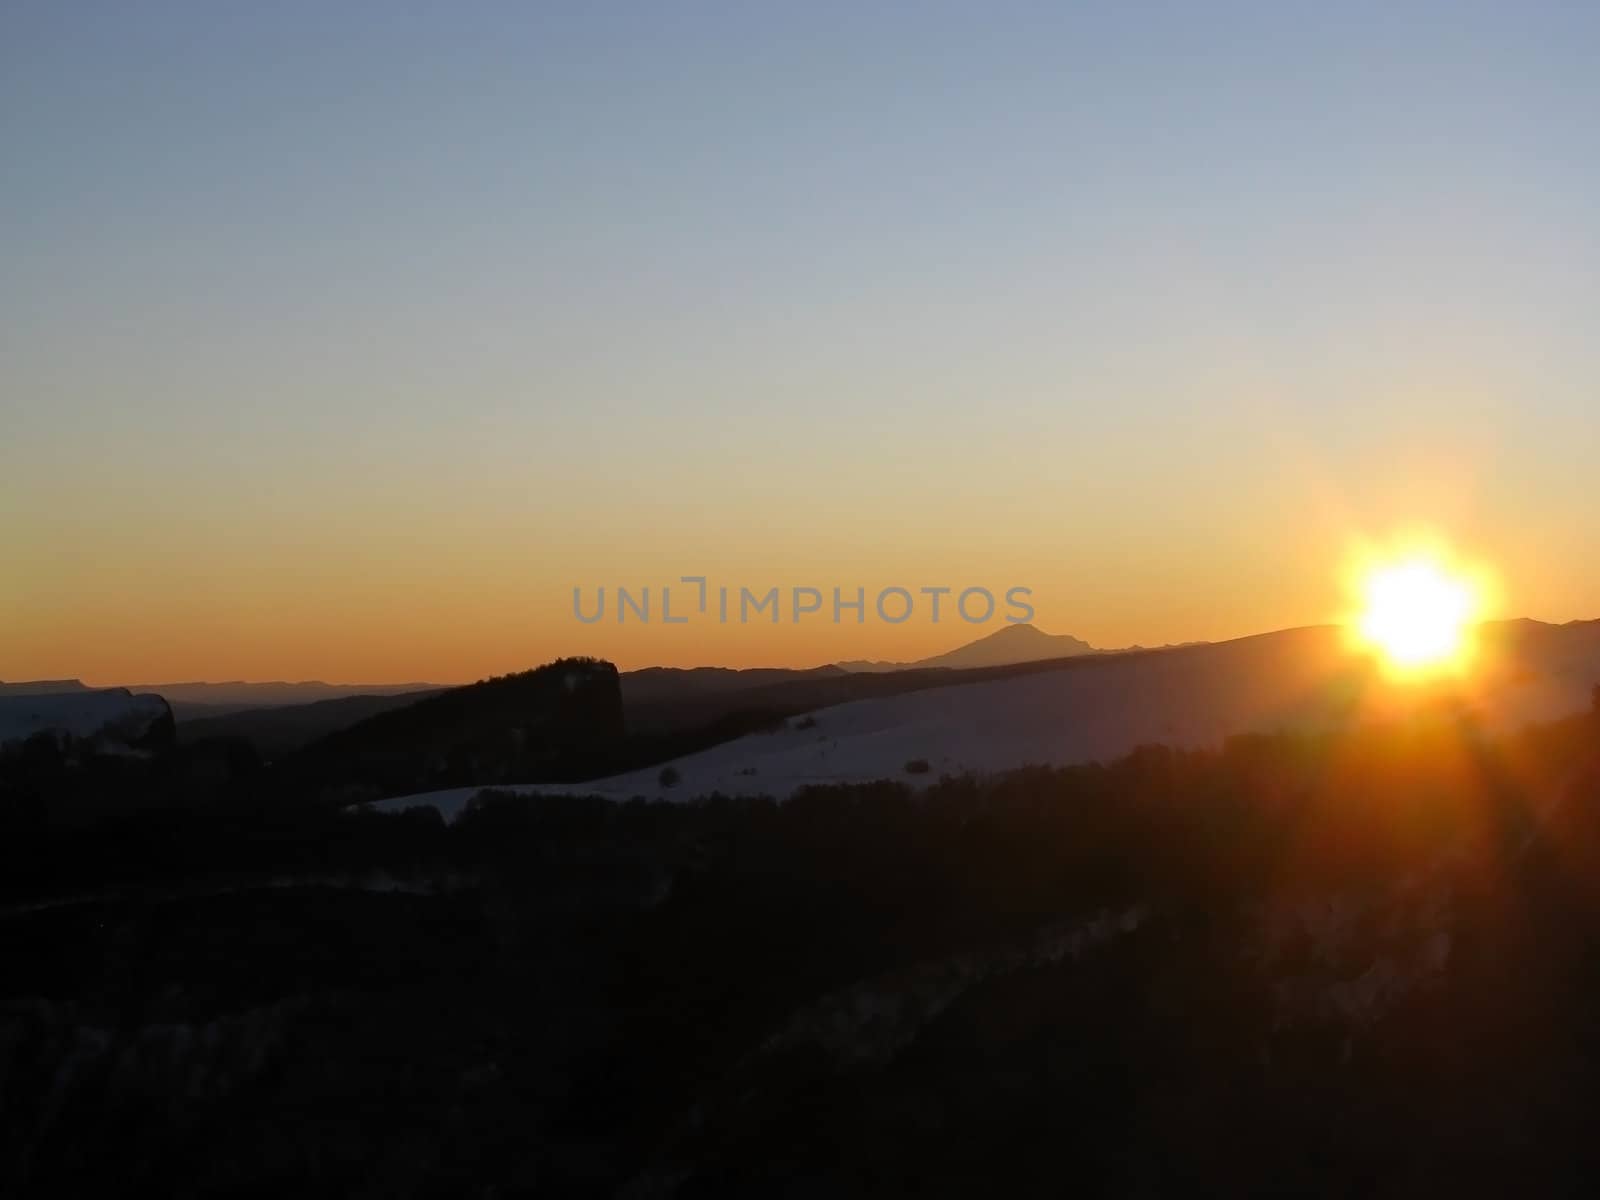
column 114, row 720
column 1100, row 707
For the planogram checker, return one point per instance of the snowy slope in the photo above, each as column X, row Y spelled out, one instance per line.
column 1102, row 707
column 114, row 718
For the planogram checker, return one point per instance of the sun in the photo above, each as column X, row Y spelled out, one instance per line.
column 1417, row 613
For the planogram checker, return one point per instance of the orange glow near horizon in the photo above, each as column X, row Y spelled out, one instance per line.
column 347, row 603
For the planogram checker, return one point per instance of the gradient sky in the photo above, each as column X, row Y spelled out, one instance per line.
column 343, row 341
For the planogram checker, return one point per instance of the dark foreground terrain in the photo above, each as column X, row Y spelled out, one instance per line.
column 1367, row 963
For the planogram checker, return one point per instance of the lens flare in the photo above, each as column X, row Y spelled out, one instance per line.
column 1417, row 613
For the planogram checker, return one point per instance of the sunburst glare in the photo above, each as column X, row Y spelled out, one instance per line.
column 1417, row 611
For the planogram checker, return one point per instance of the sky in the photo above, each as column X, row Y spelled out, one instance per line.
column 345, row 341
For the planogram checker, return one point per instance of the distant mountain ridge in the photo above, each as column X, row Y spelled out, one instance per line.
column 279, row 717
column 202, row 699
column 1011, row 644
column 916, row 726
column 47, row 687
column 241, row 694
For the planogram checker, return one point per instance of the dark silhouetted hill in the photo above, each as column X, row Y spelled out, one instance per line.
column 652, row 694
column 558, row 721
column 285, row 728
column 197, row 700
column 1292, row 965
